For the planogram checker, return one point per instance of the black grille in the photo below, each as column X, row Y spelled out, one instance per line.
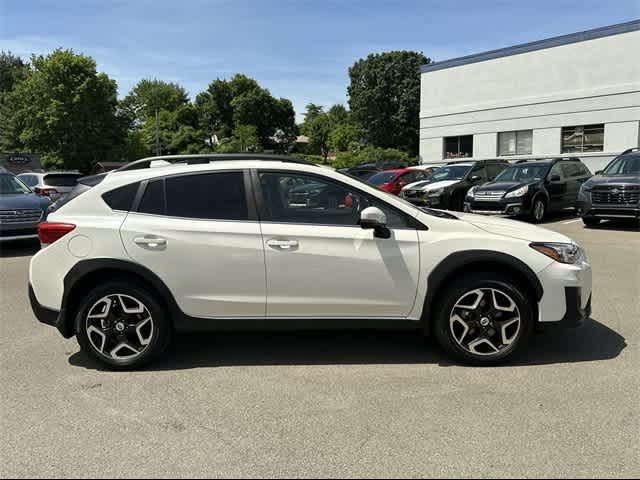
column 8, row 217
column 17, row 232
column 615, row 195
column 490, row 206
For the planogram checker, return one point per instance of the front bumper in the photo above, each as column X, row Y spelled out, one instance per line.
column 512, row 206
column 595, row 210
column 567, row 294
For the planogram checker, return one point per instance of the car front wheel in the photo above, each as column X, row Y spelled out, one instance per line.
column 482, row 319
column 538, row 210
column 122, row 325
column 590, row 221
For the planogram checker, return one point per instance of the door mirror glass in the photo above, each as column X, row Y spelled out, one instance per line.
column 555, row 178
column 476, row 178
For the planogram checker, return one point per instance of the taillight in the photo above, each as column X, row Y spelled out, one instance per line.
column 49, row 232
column 46, row 192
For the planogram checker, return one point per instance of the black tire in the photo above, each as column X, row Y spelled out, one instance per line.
column 591, row 221
column 538, row 210
column 464, row 286
column 457, row 202
column 160, row 332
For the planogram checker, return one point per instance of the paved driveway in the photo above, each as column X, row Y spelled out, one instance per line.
column 332, row 404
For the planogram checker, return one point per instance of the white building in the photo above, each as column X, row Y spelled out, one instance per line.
column 575, row 95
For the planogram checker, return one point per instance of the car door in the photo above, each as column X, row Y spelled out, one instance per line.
column 556, row 184
column 321, row 264
column 199, row 233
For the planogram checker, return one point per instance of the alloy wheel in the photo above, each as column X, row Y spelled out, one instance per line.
column 485, row 322
column 119, row 327
column 538, row 210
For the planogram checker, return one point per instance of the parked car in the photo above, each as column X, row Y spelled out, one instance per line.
column 147, row 252
column 531, row 188
column 447, row 187
column 21, row 210
column 366, row 170
column 614, row 192
column 392, row 181
column 54, row 185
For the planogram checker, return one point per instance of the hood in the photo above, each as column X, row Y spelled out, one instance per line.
column 502, row 186
column 514, row 228
column 417, row 185
column 614, row 180
column 437, row 185
column 23, row 200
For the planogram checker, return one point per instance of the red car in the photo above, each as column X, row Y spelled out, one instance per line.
column 392, row 181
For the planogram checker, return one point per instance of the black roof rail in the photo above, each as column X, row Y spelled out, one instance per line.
column 208, row 158
column 630, row 150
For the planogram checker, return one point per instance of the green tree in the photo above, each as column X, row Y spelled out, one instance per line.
column 12, row 71
column 384, row 98
column 318, row 130
column 343, row 136
column 178, row 132
column 67, row 111
column 150, row 96
column 215, row 110
column 244, row 139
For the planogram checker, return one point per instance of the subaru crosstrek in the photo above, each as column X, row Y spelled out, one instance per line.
column 220, row 242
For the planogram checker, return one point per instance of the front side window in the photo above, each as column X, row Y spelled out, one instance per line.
column 585, row 138
column 458, row 147
column 479, row 171
column 207, row 196
column 291, row 197
column 519, row 142
column 624, row 165
column 380, row 178
column 557, row 170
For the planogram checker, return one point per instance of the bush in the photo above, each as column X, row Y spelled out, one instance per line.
column 371, row 154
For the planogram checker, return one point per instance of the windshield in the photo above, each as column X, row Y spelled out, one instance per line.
column 380, row 178
column 523, row 173
column 450, row 172
column 10, row 185
column 624, row 165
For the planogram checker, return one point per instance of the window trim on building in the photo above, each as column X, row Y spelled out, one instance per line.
column 515, row 133
column 565, row 148
column 458, row 155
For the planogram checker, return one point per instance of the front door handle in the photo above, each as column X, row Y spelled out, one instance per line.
column 286, row 245
column 151, row 242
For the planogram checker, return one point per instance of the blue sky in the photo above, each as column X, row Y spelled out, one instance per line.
column 298, row 49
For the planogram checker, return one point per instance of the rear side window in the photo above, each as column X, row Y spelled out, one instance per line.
column 29, row 180
column 211, row 196
column 61, row 180
column 153, row 199
column 121, row 198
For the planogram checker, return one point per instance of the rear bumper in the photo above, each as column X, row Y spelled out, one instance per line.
column 46, row 315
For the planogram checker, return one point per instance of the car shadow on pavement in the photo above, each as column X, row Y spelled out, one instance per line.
column 19, row 248
column 594, row 341
column 616, row 225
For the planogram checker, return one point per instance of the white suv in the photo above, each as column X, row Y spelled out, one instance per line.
column 264, row 242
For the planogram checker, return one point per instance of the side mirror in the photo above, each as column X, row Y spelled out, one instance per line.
column 373, row 218
column 476, row 178
column 554, row 178
column 599, row 172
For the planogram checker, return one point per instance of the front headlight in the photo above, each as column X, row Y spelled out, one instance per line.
column 471, row 191
column 561, row 252
column 435, row 193
column 518, row 193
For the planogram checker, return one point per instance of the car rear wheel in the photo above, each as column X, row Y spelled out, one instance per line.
column 122, row 325
column 538, row 210
column 483, row 319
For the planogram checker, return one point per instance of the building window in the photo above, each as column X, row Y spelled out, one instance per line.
column 515, row 143
column 458, row 147
column 586, row 138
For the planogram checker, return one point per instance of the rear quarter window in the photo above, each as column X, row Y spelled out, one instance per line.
column 61, row 180
column 121, row 198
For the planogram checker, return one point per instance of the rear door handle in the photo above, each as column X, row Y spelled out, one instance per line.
column 283, row 244
column 151, row 242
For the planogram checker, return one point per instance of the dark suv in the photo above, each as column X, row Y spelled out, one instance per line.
column 531, row 188
column 447, row 187
column 614, row 192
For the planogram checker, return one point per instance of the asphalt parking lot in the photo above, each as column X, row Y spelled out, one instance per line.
column 331, row 404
